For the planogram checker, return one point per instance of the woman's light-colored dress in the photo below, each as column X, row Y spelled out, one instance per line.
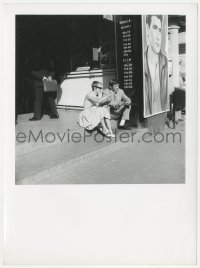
column 92, row 115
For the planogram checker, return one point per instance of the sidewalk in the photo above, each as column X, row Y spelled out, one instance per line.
column 90, row 161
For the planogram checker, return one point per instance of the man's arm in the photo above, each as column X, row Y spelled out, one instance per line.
column 113, row 103
column 126, row 99
column 38, row 74
column 52, row 74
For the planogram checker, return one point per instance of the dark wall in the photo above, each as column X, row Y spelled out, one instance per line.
column 60, row 37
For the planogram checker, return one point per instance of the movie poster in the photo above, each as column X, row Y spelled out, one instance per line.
column 155, row 64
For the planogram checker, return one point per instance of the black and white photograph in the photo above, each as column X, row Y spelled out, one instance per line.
column 82, row 84
column 99, row 141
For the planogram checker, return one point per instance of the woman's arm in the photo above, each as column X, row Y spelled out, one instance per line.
column 92, row 98
column 96, row 101
column 105, row 99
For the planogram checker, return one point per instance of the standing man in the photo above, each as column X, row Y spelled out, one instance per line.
column 119, row 105
column 39, row 68
column 155, row 69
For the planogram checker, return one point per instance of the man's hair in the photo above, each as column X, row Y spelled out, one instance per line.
column 148, row 18
column 113, row 82
column 95, row 84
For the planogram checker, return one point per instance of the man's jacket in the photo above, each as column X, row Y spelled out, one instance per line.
column 163, row 73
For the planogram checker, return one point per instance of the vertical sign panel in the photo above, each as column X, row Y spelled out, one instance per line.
column 126, row 29
column 129, row 54
column 126, row 53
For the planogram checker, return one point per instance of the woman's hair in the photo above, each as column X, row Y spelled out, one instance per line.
column 95, row 84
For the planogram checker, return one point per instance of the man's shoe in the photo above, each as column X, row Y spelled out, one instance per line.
column 171, row 125
column 124, row 127
column 56, row 116
column 34, row 119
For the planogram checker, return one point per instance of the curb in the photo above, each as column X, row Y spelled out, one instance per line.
column 44, row 175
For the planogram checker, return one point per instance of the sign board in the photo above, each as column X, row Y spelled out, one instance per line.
column 108, row 17
column 129, row 61
column 155, row 64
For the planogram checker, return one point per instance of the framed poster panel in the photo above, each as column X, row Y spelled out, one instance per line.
column 155, row 64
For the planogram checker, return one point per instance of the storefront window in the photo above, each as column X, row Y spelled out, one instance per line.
column 107, row 43
column 91, row 43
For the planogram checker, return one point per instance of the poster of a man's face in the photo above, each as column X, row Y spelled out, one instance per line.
column 155, row 64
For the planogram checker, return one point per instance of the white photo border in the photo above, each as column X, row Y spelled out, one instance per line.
column 72, row 206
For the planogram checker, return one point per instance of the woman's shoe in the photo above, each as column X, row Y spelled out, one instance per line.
column 104, row 133
column 112, row 135
column 88, row 131
column 109, row 135
column 100, row 129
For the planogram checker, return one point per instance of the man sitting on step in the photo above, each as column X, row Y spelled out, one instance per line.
column 119, row 104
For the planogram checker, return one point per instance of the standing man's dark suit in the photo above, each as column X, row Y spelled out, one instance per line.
column 39, row 67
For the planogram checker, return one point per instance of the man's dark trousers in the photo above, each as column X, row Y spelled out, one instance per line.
column 39, row 97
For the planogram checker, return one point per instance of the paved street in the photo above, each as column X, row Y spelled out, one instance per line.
column 65, row 157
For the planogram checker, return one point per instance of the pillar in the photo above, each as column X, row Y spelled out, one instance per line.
column 174, row 40
column 173, row 30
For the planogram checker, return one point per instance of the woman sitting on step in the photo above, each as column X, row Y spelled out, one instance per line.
column 94, row 116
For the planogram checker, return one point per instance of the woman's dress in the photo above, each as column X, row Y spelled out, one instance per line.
column 92, row 115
